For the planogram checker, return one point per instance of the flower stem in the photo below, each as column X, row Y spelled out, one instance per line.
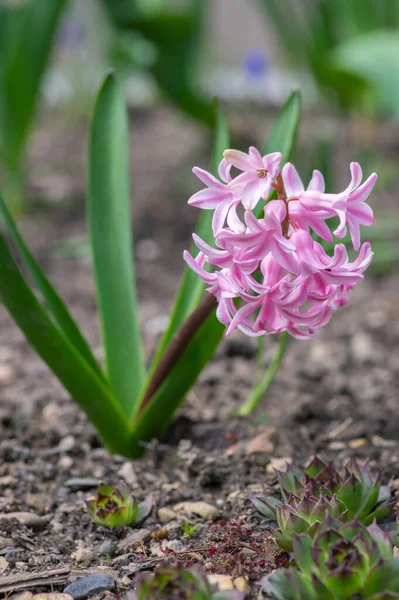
column 177, row 346
column 261, row 388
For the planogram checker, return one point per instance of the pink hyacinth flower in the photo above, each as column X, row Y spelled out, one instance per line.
column 261, row 237
column 304, row 218
column 258, row 173
column 218, row 196
column 349, row 206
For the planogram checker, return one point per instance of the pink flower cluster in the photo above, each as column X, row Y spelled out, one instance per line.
column 269, row 275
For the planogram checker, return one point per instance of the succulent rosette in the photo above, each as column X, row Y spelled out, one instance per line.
column 345, row 561
column 174, row 583
column 318, row 490
column 112, row 507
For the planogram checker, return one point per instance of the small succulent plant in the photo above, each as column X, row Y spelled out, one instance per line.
column 112, row 507
column 309, row 494
column 345, row 561
column 174, row 583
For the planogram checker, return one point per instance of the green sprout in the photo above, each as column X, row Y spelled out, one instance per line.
column 343, row 562
column 309, row 494
column 171, row 582
column 188, row 529
column 112, row 507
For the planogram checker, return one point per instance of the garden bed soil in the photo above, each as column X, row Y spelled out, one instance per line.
column 336, row 395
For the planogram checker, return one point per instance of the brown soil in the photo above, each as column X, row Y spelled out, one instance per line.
column 335, row 395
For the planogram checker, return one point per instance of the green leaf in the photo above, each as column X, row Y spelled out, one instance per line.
column 28, row 33
column 87, row 389
column 52, row 299
column 158, row 414
column 284, row 131
column 373, row 58
column 112, row 246
column 192, row 287
column 176, row 33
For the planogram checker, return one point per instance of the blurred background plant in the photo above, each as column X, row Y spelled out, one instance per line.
column 341, row 54
column 348, row 47
column 27, row 31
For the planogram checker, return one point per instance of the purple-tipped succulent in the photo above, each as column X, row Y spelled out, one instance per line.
column 344, row 561
column 112, row 507
column 318, row 490
column 176, row 583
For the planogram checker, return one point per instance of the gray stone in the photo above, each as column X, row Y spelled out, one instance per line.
column 26, row 518
column 200, row 508
column 98, row 582
column 127, row 473
column 108, row 547
column 82, row 483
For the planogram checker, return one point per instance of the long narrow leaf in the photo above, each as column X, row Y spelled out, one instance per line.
column 29, row 43
column 112, row 246
column 192, row 287
column 159, row 411
column 89, row 391
column 282, row 137
column 52, row 299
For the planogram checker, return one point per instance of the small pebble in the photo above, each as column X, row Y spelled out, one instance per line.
column 107, row 547
column 67, row 443
column 337, row 445
column 380, row 442
column 26, row 518
column 224, row 582
column 82, row 483
column 357, row 443
column 21, row 596
column 65, row 463
column 126, row 582
column 6, row 542
column 241, row 584
column 202, row 509
column 278, row 463
column 91, row 584
column 127, row 473
column 158, row 549
column 8, row 481
column 3, row 564
column 166, row 514
column 7, row 374
column 82, row 555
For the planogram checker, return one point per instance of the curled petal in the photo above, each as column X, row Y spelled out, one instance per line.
column 292, row 182
column 238, row 159
column 317, row 182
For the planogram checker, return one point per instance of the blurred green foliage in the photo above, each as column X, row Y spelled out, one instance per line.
column 349, row 46
column 27, row 31
column 175, row 35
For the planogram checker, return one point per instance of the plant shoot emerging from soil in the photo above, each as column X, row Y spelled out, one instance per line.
column 112, row 507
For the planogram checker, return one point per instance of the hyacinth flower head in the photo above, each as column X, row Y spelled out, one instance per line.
column 343, row 562
column 265, row 269
column 309, row 494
